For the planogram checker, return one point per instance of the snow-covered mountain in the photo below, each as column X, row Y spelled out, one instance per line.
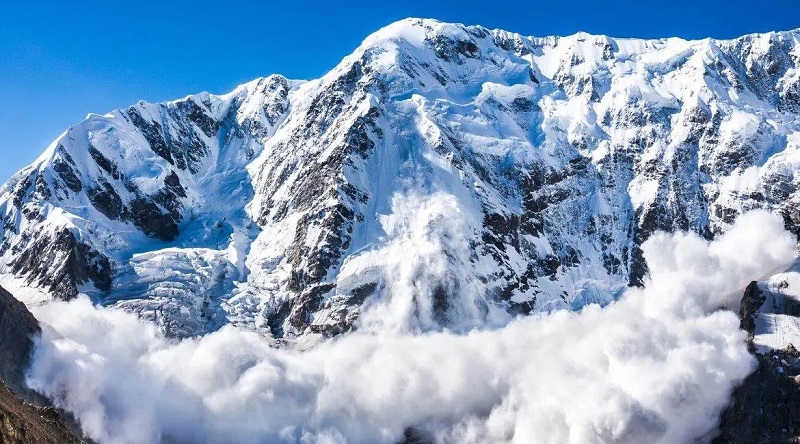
column 527, row 169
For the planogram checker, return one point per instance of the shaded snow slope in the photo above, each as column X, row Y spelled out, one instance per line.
column 536, row 167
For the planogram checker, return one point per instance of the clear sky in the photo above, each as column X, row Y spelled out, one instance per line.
column 60, row 60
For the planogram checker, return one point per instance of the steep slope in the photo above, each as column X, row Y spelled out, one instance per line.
column 536, row 166
column 18, row 328
column 151, row 184
column 21, row 422
column 763, row 407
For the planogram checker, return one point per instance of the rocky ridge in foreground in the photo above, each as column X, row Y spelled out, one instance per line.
column 24, row 422
column 765, row 408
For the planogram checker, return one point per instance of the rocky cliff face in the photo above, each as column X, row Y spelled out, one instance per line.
column 560, row 156
column 18, row 328
column 764, row 408
column 20, row 421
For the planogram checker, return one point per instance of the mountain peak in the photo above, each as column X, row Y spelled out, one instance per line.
column 545, row 162
column 416, row 31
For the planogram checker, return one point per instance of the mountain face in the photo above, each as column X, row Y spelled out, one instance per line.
column 18, row 328
column 764, row 405
column 22, row 422
column 528, row 168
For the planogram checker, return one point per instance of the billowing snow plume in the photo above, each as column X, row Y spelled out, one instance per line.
column 656, row 366
column 424, row 270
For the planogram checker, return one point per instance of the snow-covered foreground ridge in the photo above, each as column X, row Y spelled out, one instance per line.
column 492, row 174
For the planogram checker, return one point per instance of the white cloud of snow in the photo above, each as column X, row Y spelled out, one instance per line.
column 427, row 256
column 656, row 366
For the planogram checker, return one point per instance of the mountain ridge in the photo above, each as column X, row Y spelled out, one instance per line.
column 261, row 207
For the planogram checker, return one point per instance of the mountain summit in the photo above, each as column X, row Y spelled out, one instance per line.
column 524, row 173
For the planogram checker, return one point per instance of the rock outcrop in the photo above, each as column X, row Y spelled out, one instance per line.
column 18, row 328
column 21, row 421
column 766, row 408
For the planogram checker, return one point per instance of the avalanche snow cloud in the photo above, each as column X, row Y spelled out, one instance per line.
column 658, row 365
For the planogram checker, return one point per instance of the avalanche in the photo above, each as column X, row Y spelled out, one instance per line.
column 442, row 237
column 656, row 366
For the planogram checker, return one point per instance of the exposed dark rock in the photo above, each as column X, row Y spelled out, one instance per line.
column 342, row 310
column 304, row 305
column 17, row 330
column 296, row 313
column 148, row 217
column 60, row 263
column 197, row 115
column 21, row 422
column 106, row 164
column 454, row 50
column 501, row 230
column 276, row 318
column 152, row 132
column 156, row 216
column 752, row 300
column 766, row 407
column 105, row 198
column 413, row 435
column 312, row 264
column 173, row 184
column 21, row 189
column 65, row 171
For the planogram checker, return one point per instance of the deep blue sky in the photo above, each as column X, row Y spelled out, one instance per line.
column 60, row 60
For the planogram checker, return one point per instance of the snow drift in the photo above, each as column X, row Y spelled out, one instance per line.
column 658, row 365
